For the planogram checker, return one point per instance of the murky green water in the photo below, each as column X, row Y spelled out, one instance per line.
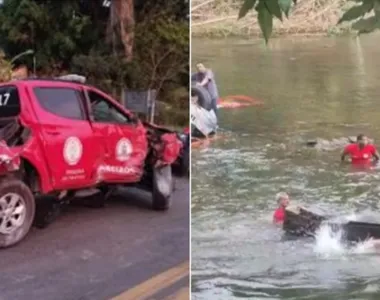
column 320, row 88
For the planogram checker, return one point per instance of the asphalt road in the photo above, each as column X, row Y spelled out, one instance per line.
column 95, row 254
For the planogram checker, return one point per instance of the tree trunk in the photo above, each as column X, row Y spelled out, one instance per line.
column 122, row 21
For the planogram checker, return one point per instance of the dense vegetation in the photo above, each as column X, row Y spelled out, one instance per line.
column 115, row 47
column 365, row 13
column 217, row 18
column 281, row 17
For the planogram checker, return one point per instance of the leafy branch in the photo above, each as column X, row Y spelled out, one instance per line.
column 267, row 10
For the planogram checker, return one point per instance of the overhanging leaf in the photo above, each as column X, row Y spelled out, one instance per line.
column 274, row 8
column 356, row 11
column 285, row 6
column 265, row 20
column 366, row 25
column 247, row 5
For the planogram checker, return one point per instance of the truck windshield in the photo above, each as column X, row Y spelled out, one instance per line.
column 9, row 102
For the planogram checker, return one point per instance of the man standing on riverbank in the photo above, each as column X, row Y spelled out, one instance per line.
column 205, row 77
column 361, row 152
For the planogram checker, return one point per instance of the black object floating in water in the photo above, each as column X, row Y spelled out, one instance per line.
column 301, row 222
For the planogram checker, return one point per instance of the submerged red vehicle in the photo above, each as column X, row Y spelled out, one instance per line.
column 59, row 137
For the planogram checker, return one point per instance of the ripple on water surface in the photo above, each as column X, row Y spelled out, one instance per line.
column 238, row 253
column 323, row 94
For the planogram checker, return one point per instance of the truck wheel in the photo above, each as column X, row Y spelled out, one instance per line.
column 17, row 209
column 162, row 187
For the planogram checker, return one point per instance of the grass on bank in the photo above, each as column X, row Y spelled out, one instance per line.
column 218, row 19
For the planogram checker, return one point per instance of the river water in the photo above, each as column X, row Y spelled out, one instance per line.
column 321, row 89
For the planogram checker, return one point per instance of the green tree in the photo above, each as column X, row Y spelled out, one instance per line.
column 75, row 36
column 54, row 29
column 5, row 68
column 365, row 13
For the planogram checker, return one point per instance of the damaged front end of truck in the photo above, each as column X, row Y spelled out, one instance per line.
column 164, row 149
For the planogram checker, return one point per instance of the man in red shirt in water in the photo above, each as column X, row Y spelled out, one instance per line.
column 283, row 201
column 361, row 152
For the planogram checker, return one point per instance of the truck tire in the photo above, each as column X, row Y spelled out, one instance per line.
column 204, row 98
column 17, row 210
column 162, row 188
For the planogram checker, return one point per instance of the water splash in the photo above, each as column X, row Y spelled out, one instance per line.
column 329, row 243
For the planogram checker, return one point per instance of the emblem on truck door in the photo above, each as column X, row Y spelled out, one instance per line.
column 123, row 149
column 72, row 150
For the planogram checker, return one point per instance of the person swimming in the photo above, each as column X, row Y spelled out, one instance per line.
column 283, row 201
column 361, row 152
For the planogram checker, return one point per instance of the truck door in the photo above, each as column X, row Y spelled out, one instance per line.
column 70, row 146
column 124, row 141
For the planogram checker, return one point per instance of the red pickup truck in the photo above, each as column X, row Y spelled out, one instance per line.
column 58, row 138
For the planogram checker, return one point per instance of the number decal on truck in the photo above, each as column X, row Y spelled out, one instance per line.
column 4, row 98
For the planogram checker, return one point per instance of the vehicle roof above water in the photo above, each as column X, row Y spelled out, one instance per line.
column 313, row 210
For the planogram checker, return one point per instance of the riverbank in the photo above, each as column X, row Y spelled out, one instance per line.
column 307, row 18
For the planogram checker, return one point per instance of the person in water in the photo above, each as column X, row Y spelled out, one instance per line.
column 283, row 201
column 361, row 152
column 205, row 77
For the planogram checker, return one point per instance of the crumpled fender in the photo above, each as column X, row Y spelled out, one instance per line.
column 168, row 149
column 166, row 144
column 172, row 148
column 10, row 159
